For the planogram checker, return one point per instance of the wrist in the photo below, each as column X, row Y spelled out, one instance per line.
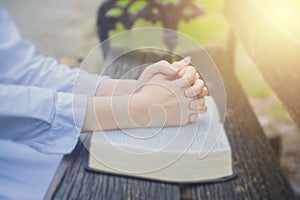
column 117, row 87
column 106, row 113
column 139, row 109
column 90, row 122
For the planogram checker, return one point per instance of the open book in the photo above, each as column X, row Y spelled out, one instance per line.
column 192, row 153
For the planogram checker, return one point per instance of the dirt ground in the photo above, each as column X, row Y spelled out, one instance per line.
column 66, row 30
column 61, row 29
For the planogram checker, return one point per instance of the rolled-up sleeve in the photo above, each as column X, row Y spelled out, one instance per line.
column 43, row 103
column 46, row 120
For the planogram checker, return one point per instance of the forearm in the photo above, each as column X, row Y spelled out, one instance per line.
column 116, row 87
column 118, row 103
column 108, row 113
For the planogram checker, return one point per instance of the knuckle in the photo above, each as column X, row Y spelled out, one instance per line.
column 200, row 82
column 199, row 87
column 192, row 69
column 163, row 62
column 205, row 91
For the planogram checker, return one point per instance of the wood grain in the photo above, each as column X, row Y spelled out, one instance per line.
column 259, row 174
column 272, row 45
column 72, row 181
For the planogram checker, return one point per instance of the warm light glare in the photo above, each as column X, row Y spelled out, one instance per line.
column 285, row 13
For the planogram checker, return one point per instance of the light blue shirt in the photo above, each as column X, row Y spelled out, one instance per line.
column 37, row 123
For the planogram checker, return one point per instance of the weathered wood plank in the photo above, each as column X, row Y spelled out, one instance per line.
column 259, row 173
column 272, row 44
column 72, row 181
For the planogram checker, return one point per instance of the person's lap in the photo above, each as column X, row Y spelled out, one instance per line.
column 24, row 172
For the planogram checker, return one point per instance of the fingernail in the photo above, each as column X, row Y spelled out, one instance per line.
column 187, row 59
column 205, row 90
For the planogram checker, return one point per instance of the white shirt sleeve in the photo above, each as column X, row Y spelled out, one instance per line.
column 41, row 118
column 20, row 64
column 39, row 106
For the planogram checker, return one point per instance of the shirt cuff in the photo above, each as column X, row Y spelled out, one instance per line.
column 69, row 115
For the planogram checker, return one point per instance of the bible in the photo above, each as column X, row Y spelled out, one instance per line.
column 196, row 152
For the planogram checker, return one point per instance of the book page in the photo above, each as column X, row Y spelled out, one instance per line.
column 202, row 136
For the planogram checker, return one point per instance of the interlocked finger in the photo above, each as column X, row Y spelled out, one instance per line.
column 189, row 74
column 203, row 93
column 197, row 104
column 196, row 89
column 182, row 63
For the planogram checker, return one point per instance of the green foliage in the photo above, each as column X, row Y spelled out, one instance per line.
column 114, row 12
column 122, row 3
column 256, row 88
column 253, row 82
column 278, row 112
column 207, row 29
column 136, row 6
column 212, row 28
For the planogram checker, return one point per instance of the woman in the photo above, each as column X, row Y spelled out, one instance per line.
column 37, row 124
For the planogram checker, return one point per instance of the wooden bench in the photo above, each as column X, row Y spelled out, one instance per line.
column 259, row 173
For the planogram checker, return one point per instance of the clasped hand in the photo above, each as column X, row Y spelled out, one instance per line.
column 166, row 94
column 172, row 94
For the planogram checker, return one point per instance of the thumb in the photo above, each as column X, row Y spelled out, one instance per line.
column 162, row 67
column 182, row 63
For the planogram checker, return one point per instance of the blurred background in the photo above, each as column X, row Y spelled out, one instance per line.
column 67, row 30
